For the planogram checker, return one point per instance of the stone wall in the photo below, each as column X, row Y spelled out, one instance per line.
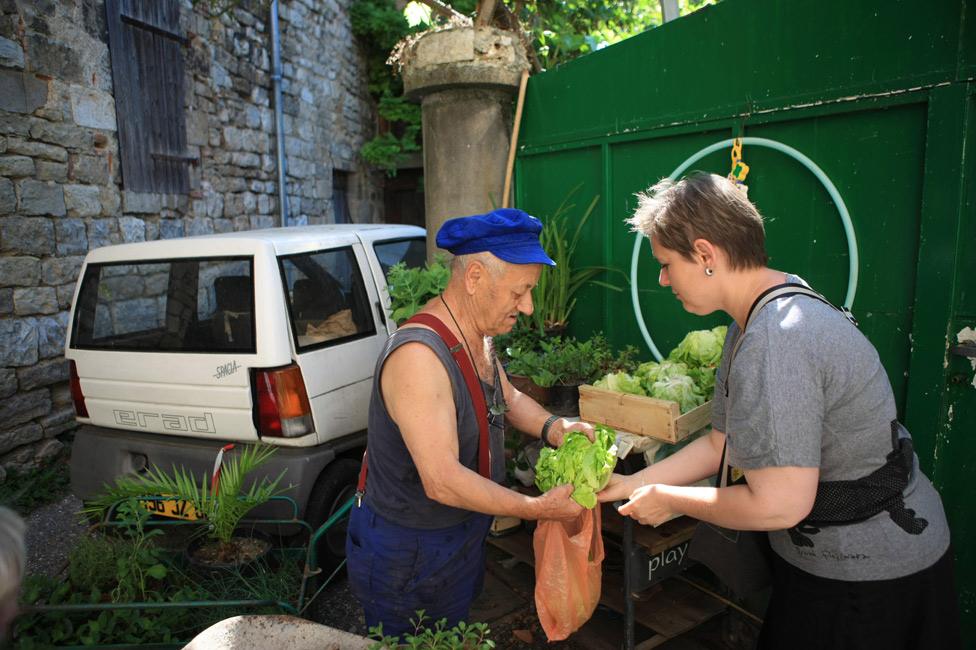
column 61, row 191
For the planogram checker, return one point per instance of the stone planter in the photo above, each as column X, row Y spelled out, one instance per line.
column 465, row 79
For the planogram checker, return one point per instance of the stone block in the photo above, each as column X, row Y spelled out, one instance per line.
column 31, row 236
column 51, row 331
column 103, row 232
column 197, row 123
column 170, row 228
column 65, row 294
column 8, row 382
column 91, row 170
column 93, row 108
column 21, row 93
column 18, row 342
column 44, row 373
column 61, row 396
column 35, row 300
column 19, row 271
column 71, row 236
column 41, row 197
column 82, row 200
column 11, row 54
column 51, row 171
column 21, row 435
column 58, row 421
column 65, row 135
column 14, row 125
column 200, row 226
column 6, row 302
column 16, row 166
column 8, row 197
column 111, row 200
column 61, row 270
column 21, row 459
column 48, row 451
column 132, row 229
column 36, row 150
column 54, row 59
column 142, row 202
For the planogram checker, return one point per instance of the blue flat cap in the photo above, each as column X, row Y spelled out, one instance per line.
column 508, row 233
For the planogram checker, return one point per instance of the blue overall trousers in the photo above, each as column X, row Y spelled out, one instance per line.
column 395, row 571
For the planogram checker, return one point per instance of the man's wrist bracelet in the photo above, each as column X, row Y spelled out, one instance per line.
column 545, row 429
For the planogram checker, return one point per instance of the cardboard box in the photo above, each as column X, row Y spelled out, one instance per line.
column 645, row 416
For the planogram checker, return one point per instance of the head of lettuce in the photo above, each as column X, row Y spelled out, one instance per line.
column 587, row 465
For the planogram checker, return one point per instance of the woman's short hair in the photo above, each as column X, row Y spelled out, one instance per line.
column 702, row 206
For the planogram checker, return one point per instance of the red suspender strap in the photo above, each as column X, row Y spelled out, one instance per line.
column 474, row 389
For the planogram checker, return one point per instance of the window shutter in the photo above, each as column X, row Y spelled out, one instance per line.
column 146, row 47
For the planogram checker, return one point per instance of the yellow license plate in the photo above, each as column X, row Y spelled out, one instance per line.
column 173, row 508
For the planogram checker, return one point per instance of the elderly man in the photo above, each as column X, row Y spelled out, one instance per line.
column 417, row 539
column 12, row 560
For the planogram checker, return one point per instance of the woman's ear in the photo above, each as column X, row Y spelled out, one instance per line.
column 705, row 252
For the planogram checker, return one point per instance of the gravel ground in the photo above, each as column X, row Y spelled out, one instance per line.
column 51, row 534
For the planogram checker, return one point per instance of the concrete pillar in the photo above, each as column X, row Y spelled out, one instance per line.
column 465, row 79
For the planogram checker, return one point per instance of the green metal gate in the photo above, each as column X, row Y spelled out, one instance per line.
column 881, row 96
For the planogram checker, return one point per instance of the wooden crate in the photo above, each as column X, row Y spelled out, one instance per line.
column 645, row 416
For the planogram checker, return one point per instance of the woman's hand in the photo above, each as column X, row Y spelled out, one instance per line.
column 618, row 487
column 648, row 505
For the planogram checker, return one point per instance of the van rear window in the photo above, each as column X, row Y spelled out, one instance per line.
column 185, row 305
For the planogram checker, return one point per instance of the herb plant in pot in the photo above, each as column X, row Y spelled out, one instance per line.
column 222, row 501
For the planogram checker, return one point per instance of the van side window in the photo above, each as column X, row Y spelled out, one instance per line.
column 188, row 305
column 327, row 299
column 412, row 252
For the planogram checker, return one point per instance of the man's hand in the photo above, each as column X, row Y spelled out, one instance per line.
column 562, row 426
column 557, row 504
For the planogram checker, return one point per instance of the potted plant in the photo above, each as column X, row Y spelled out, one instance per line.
column 411, row 288
column 554, row 297
column 561, row 364
column 221, row 501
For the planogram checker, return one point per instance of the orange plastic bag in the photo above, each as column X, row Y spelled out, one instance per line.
column 568, row 559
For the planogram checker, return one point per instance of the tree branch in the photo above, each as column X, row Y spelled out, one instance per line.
column 446, row 11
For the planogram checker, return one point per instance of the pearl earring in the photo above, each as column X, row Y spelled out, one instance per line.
column 709, row 271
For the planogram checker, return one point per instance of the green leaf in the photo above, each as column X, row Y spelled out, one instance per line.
column 157, row 571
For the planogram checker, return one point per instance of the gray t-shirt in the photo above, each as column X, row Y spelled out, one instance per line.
column 808, row 390
column 393, row 488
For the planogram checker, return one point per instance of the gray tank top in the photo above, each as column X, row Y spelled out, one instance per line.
column 393, row 489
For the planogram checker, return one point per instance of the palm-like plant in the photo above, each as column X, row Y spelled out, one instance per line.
column 554, row 297
column 223, row 506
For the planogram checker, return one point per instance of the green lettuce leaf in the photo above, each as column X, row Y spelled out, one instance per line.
column 587, row 465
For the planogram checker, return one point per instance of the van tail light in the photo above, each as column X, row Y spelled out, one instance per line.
column 282, row 404
column 76, row 395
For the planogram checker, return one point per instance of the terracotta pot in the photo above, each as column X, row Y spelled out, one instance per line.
column 530, row 388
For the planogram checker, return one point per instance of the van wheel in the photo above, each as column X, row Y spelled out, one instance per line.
column 335, row 485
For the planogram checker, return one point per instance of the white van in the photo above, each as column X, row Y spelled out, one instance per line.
column 179, row 346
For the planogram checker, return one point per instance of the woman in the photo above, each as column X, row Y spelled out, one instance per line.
column 805, row 409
